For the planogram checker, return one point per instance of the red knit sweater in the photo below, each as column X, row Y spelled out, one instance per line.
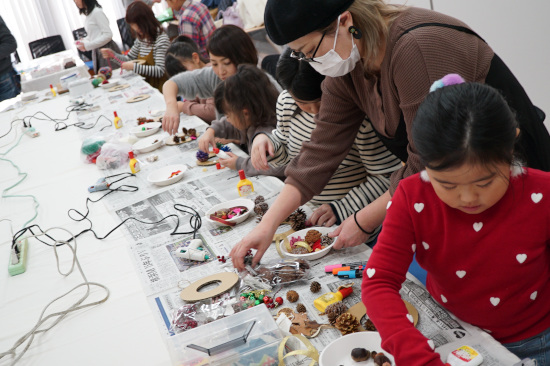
column 491, row 269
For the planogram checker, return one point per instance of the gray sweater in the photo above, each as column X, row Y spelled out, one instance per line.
column 8, row 45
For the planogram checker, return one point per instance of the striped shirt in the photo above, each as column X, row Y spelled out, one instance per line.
column 362, row 176
column 142, row 49
column 196, row 23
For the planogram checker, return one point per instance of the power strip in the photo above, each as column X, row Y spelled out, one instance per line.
column 30, row 131
column 18, row 264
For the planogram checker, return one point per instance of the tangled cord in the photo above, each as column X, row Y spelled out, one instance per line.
column 60, row 315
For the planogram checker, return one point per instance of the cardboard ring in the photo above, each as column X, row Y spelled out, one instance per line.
column 359, row 311
column 118, row 87
column 227, row 281
column 138, row 98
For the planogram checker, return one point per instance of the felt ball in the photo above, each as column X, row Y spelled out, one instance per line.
column 107, row 71
column 452, row 79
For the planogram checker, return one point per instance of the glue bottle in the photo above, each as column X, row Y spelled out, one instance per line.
column 118, row 121
column 464, row 356
column 244, row 186
column 134, row 164
column 329, row 298
column 53, row 90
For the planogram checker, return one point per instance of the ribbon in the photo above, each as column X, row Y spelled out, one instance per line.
column 310, row 351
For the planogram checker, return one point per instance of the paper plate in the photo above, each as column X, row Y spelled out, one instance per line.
column 309, row 256
column 167, row 175
column 147, row 144
column 238, row 202
column 147, row 129
column 338, row 352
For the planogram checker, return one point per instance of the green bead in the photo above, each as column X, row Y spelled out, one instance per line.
column 257, row 302
column 251, row 297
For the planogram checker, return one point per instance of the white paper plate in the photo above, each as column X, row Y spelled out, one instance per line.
column 238, row 202
column 148, row 144
column 313, row 255
column 163, row 176
column 150, row 129
column 338, row 352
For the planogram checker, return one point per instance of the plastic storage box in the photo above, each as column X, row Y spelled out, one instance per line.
column 246, row 338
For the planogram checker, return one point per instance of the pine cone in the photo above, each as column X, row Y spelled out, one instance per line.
column 333, row 311
column 347, row 323
column 202, row 156
column 369, row 326
column 297, row 219
column 261, row 208
column 176, row 139
column 259, row 199
column 312, row 236
column 326, row 240
column 192, row 132
column 184, row 131
column 301, row 308
column 292, row 296
column 315, row 287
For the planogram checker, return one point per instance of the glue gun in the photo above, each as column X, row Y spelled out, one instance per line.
column 193, row 251
column 100, row 185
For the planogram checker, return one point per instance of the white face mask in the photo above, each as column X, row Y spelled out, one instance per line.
column 331, row 64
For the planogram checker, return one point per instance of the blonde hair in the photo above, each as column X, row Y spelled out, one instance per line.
column 373, row 18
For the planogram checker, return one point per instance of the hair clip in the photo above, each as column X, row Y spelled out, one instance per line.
column 449, row 79
column 356, row 33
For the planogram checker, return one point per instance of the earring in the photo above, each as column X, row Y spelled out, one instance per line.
column 356, row 33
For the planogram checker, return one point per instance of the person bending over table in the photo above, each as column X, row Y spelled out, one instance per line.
column 364, row 173
column 150, row 46
column 98, row 30
column 8, row 45
column 380, row 61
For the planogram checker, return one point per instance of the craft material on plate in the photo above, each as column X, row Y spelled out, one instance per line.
column 167, row 175
column 182, row 137
column 338, row 352
column 118, row 87
column 226, row 281
column 147, row 144
column 147, row 129
column 203, row 159
column 248, row 205
column 312, row 243
column 138, row 98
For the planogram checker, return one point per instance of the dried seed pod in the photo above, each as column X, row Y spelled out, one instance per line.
column 176, row 139
column 346, row 323
column 333, row 311
column 292, row 296
column 315, row 287
column 184, row 131
column 259, row 199
column 312, row 236
column 360, row 354
column 381, row 359
column 192, row 132
column 261, row 208
column 301, row 308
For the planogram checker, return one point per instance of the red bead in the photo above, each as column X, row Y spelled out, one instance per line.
column 279, row 300
column 266, row 299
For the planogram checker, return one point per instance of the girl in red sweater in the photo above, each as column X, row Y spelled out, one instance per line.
column 478, row 223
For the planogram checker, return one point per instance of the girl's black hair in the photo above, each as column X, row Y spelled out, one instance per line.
column 299, row 78
column 89, row 5
column 233, row 43
column 181, row 48
column 464, row 123
column 249, row 89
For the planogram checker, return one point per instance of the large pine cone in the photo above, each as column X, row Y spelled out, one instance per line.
column 297, row 219
column 333, row 311
column 346, row 323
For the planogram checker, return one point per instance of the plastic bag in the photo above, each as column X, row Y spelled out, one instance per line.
column 281, row 272
column 251, row 12
column 113, row 155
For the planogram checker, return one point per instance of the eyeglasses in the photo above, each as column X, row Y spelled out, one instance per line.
column 300, row 56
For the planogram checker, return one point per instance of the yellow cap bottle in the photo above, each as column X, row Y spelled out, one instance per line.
column 118, row 121
column 134, row 163
column 325, row 300
column 244, row 186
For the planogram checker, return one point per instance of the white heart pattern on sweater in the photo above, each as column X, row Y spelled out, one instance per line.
column 388, row 205
column 521, row 258
column 478, row 226
column 419, row 207
column 425, row 245
column 461, row 274
column 495, row 301
column 444, row 299
column 371, row 272
column 536, row 197
column 431, row 344
column 413, row 247
column 410, row 317
column 533, row 295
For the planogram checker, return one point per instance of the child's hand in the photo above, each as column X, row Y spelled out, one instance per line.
column 80, row 46
column 127, row 66
column 323, row 216
column 171, row 119
column 260, row 146
column 230, row 163
column 107, row 53
column 208, row 138
column 349, row 234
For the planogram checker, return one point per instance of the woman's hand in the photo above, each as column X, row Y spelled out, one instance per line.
column 80, row 46
column 107, row 53
column 231, row 162
column 208, row 138
column 260, row 146
column 259, row 238
column 349, row 234
column 323, row 216
column 171, row 119
column 127, row 66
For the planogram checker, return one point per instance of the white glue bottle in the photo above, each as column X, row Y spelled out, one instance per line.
column 464, row 356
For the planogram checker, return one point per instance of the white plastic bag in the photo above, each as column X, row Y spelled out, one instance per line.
column 113, row 155
column 251, row 12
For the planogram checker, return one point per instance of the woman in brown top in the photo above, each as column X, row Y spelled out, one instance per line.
column 380, row 61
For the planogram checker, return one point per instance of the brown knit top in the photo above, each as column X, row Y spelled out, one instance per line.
column 412, row 62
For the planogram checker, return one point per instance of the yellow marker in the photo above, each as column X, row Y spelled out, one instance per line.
column 244, row 186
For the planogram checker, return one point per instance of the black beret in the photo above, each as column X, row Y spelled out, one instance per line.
column 287, row 20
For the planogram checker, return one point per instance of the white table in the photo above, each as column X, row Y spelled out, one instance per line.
column 39, row 73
